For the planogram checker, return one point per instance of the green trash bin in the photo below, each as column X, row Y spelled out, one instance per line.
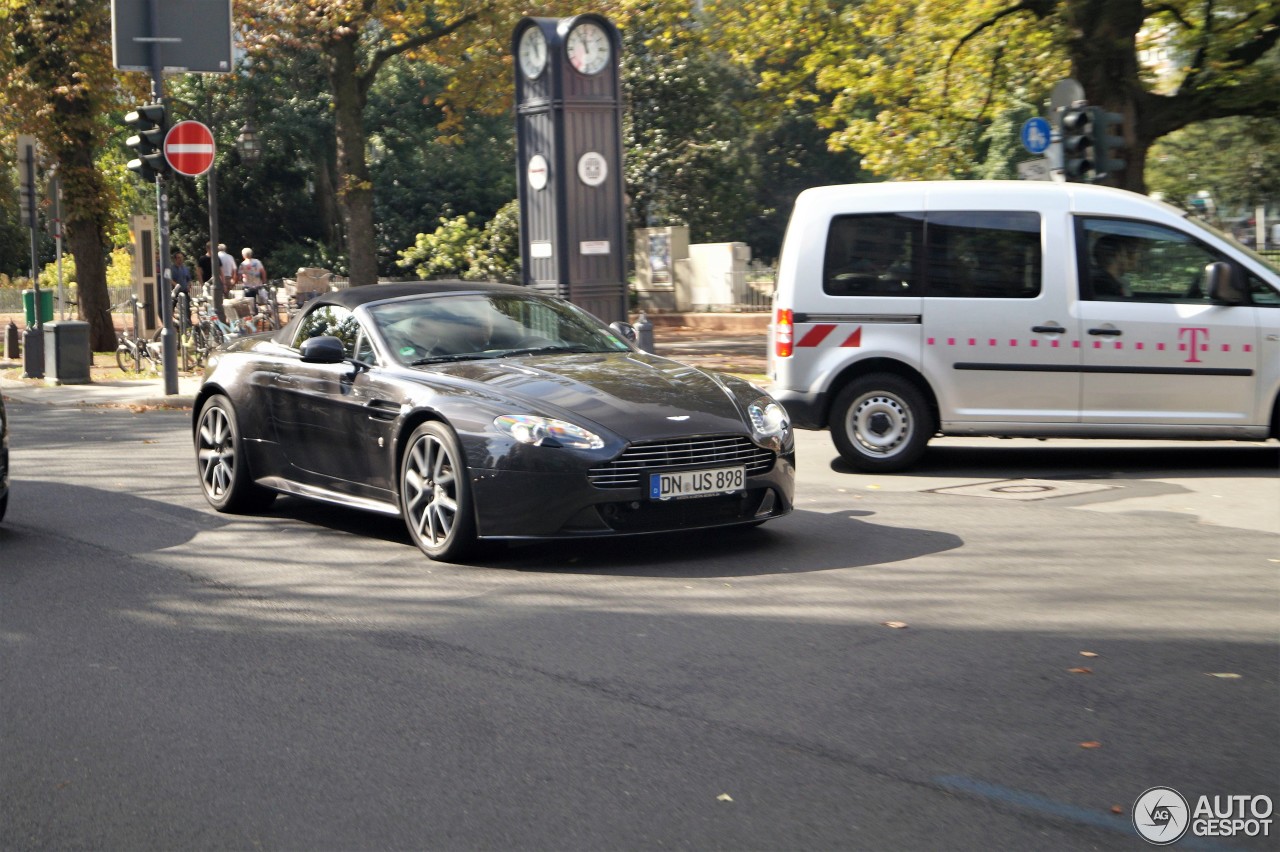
column 46, row 306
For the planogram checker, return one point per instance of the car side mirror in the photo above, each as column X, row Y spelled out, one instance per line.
column 324, row 349
column 1224, row 285
column 625, row 330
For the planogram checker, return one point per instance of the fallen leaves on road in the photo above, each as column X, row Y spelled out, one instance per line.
column 896, row 625
column 1225, row 675
column 1081, row 670
column 1088, row 654
column 1090, row 744
column 724, row 797
column 1117, row 809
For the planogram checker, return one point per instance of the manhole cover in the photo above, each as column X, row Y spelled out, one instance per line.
column 1024, row 489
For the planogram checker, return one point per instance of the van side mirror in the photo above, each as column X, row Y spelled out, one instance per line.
column 1224, row 285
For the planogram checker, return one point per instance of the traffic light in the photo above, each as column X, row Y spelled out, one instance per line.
column 150, row 123
column 1078, row 142
column 1108, row 131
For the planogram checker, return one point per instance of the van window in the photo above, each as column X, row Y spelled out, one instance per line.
column 1126, row 260
column 872, row 255
column 984, row 254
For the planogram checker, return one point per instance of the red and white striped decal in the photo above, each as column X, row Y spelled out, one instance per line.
column 816, row 335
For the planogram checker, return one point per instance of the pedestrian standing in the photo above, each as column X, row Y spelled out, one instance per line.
column 228, row 269
column 252, row 275
column 206, row 266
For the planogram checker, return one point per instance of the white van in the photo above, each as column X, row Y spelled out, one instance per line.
column 1012, row 308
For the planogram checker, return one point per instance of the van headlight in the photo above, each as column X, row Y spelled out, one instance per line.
column 547, row 432
column 768, row 419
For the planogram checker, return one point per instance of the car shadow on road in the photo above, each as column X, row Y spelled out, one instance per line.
column 802, row 542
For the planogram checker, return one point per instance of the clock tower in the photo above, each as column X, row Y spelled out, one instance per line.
column 569, row 153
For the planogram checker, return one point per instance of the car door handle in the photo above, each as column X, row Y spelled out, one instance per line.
column 1048, row 329
column 1105, row 332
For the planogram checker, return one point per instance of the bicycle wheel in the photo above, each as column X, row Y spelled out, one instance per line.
column 188, row 350
column 200, row 345
column 126, row 360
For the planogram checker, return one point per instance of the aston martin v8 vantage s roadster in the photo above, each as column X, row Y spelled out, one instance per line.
column 485, row 411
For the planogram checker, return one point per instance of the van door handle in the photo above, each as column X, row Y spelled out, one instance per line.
column 1106, row 332
column 1048, row 329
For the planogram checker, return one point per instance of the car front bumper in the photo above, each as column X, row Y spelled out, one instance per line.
column 523, row 505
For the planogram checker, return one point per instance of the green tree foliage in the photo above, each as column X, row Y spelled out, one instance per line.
column 354, row 39
column 460, row 249
column 687, row 144
column 56, row 82
column 282, row 206
column 1190, row 161
column 418, row 175
column 914, row 86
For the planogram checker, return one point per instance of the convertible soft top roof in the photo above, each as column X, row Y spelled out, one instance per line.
column 353, row 297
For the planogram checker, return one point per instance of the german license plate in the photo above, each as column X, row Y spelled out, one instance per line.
column 696, row 483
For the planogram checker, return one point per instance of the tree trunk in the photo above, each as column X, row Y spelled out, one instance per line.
column 85, row 220
column 355, row 190
column 1104, row 59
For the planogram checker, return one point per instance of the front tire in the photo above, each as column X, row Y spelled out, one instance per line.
column 126, row 362
column 435, row 494
column 881, row 423
column 222, row 464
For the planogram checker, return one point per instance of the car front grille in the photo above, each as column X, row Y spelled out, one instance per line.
column 627, row 470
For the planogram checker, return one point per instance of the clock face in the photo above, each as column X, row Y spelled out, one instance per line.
column 588, row 48
column 533, row 52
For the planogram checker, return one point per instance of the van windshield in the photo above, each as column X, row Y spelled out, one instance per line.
column 1236, row 244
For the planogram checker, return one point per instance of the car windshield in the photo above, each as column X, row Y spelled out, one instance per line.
column 468, row 326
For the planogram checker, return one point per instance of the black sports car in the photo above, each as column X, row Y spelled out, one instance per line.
column 485, row 411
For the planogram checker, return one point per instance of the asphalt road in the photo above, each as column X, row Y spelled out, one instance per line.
column 177, row 679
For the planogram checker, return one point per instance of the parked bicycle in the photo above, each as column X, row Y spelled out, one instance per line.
column 265, row 315
column 209, row 331
column 133, row 351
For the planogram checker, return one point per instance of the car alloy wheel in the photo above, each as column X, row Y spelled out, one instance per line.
column 224, row 473
column 435, row 493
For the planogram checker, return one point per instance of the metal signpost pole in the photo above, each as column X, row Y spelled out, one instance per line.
column 215, row 261
column 55, row 224
column 33, row 339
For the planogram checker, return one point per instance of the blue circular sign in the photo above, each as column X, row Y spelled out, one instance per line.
column 1036, row 135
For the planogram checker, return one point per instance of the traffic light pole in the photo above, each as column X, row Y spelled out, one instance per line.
column 168, row 339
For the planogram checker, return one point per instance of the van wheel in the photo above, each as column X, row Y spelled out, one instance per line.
column 881, row 423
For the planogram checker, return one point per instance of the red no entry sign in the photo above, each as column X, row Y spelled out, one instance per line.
column 189, row 148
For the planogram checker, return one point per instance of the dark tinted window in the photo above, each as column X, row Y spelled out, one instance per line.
column 872, row 255
column 984, row 254
column 1127, row 260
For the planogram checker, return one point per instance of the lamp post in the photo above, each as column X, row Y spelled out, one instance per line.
column 247, row 142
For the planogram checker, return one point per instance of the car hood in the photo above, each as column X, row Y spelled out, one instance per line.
column 630, row 393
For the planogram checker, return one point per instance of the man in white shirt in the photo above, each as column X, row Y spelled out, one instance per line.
column 228, row 264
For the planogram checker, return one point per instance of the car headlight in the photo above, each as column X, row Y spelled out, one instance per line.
column 546, row 432
column 768, row 419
